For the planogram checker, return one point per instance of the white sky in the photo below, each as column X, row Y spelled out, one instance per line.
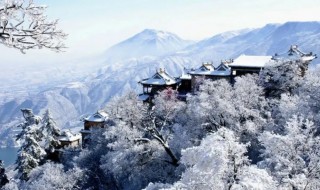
column 95, row 25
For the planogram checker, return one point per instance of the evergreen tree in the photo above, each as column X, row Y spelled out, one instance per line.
column 51, row 132
column 282, row 77
column 31, row 153
column 3, row 177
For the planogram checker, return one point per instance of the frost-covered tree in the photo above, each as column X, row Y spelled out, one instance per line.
column 50, row 131
column 3, row 177
column 282, row 77
column 211, row 107
column 137, row 149
column 167, row 107
column 30, row 153
column 304, row 102
column 219, row 163
column 24, row 25
column 52, row 176
column 127, row 108
column 89, row 161
column 251, row 112
column 309, row 97
column 294, row 158
column 123, row 158
column 154, row 122
column 241, row 107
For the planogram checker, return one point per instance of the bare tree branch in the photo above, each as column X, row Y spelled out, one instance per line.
column 24, row 26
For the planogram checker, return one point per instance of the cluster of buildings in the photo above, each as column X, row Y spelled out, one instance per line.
column 189, row 81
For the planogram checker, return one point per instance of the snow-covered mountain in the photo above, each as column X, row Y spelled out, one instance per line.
column 147, row 43
column 268, row 40
column 139, row 57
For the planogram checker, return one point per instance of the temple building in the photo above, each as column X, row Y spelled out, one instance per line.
column 92, row 122
column 248, row 64
column 208, row 71
column 158, row 82
column 68, row 139
column 296, row 55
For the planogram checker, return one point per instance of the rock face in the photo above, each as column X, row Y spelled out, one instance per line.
column 138, row 57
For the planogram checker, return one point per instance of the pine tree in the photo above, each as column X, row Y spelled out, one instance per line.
column 3, row 177
column 51, row 132
column 30, row 153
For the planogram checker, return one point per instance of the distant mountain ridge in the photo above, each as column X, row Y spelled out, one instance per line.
column 139, row 56
column 268, row 40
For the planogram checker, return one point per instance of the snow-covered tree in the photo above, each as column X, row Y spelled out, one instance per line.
column 89, row 161
column 294, row 158
column 127, row 108
column 3, row 177
column 24, row 25
column 30, row 153
column 241, row 107
column 51, row 132
column 211, row 106
column 167, row 107
column 128, row 159
column 52, row 176
column 152, row 122
column 282, row 77
column 219, row 163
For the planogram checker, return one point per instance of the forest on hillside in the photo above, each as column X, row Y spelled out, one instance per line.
column 259, row 133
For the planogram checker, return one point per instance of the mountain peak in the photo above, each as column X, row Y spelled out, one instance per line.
column 149, row 42
column 148, row 34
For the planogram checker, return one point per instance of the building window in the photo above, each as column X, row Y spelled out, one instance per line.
column 234, row 72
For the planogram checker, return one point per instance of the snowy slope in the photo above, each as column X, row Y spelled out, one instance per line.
column 139, row 57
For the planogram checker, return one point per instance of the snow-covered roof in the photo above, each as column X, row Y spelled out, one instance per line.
column 294, row 54
column 250, row 61
column 68, row 136
column 222, row 70
column 100, row 116
column 160, row 78
column 143, row 97
column 185, row 75
column 205, row 69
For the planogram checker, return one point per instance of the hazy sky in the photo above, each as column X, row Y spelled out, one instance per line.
column 95, row 25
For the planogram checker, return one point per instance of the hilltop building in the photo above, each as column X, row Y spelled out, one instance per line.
column 97, row 120
column 248, row 64
column 294, row 55
column 68, row 139
column 159, row 81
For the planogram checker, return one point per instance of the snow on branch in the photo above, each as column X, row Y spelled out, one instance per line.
column 23, row 25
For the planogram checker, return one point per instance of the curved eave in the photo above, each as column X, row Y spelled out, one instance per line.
column 212, row 74
column 246, row 66
column 308, row 58
column 158, row 84
column 100, row 121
